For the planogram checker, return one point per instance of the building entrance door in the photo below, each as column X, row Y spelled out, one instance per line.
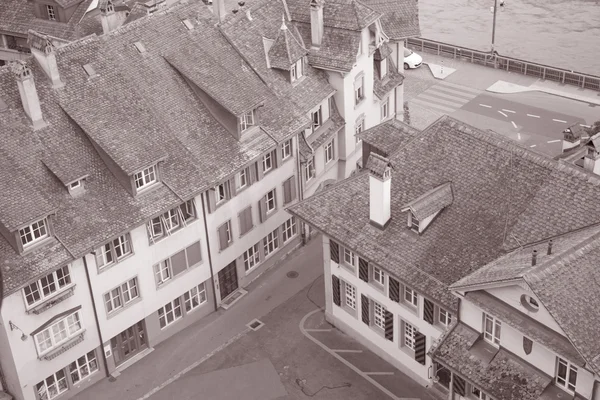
column 228, row 280
column 129, row 342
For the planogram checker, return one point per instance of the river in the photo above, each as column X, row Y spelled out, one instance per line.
column 560, row 33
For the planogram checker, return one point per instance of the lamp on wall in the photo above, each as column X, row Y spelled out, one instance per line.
column 13, row 327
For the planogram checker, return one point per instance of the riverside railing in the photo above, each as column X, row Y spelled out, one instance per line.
column 498, row 61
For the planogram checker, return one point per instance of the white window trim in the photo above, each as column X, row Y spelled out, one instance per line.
column 247, row 120
column 39, row 223
column 329, row 149
column 289, row 229
column 307, row 170
column 218, row 198
column 78, row 367
column 201, row 288
column 58, row 391
column 143, row 177
column 378, row 318
column 159, row 272
column 381, row 274
column 273, row 193
column 570, row 368
column 251, row 257
column 349, row 295
column 243, row 173
column 409, row 332
column 447, row 315
column 58, row 291
column 385, row 109
column 490, row 337
column 271, row 238
column 383, row 68
column 70, row 335
column 414, row 297
column 165, row 313
column 269, row 157
column 286, row 150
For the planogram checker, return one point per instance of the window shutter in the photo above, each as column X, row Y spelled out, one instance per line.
column 251, row 174
column 249, row 224
column 459, row 385
column 242, row 221
column 259, row 170
column 335, row 282
column 194, row 254
column 223, row 236
column 292, row 188
column 99, row 260
column 211, row 196
column 276, row 156
column 389, row 326
column 232, row 187
column 287, row 195
column 262, row 209
column 394, row 290
column 428, row 311
column 420, row 340
column 365, row 309
column 363, row 269
column 178, row 263
column 334, row 250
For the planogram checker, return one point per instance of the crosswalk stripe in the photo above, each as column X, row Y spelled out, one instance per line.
column 453, row 92
column 446, row 96
column 438, row 100
column 426, row 104
column 463, row 88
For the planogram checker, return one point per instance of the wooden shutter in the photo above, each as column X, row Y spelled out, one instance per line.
column 420, row 340
column 334, row 250
column 242, row 220
column 178, row 263
column 276, row 157
column 211, row 200
column 293, row 188
column 428, row 308
column 363, row 269
column 394, row 290
column 259, row 170
column 232, row 190
column 248, row 217
column 459, row 385
column 365, row 309
column 194, row 254
column 99, row 258
column 251, row 174
column 389, row 326
column 262, row 209
column 223, row 236
column 335, row 282
column 287, row 191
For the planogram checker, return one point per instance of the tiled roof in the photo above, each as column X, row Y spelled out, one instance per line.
column 67, row 3
column 286, row 50
column 151, row 101
column 400, row 18
column 341, row 14
column 381, row 87
column 389, row 136
column 329, row 129
column 377, row 164
column 505, row 377
column 432, row 201
column 504, row 195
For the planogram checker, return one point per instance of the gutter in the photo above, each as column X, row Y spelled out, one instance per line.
column 208, row 252
column 87, row 275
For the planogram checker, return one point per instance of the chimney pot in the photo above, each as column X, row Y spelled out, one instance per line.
column 28, row 92
column 42, row 49
column 534, row 258
column 550, row 247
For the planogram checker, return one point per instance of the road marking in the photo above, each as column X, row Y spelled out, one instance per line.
column 559, row 120
column 509, row 111
column 585, row 126
column 553, row 141
column 503, row 114
column 513, row 124
column 318, row 330
column 533, row 116
column 585, row 137
column 476, row 92
column 533, row 145
column 429, row 106
column 518, row 135
column 342, row 359
column 485, row 105
column 379, row 373
column 347, row 351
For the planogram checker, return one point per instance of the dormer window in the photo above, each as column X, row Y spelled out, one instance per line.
column 75, row 185
column 51, row 12
column 414, row 223
column 297, row 70
column 317, row 119
column 145, row 178
column 247, row 120
column 34, row 233
column 383, row 68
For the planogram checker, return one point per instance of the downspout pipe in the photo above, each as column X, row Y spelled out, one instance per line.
column 89, row 282
column 210, row 263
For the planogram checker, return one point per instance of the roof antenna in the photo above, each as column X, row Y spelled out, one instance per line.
column 550, row 247
column 534, row 258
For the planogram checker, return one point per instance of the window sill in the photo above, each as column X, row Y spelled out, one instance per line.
column 63, row 347
column 35, row 245
column 52, row 301
column 408, row 351
column 115, row 263
column 172, row 323
column 252, row 269
column 123, row 308
column 175, row 277
column 360, row 103
column 410, row 307
column 248, row 231
column 349, row 310
column 171, row 233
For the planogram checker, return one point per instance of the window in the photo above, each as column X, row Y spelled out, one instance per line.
column 350, row 258
column 34, row 233
column 74, row 185
column 529, row 303
column 169, row 313
column 350, row 295
column 317, row 119
column 491, row 329
column 242, row 180
column 170, row 221
column 309, row 169
column 414, row 222
column 267, row 162
column 378, row 275
column 83, row 367
column 225, row 236
column 162, row 270
column 121, row 296
column 329, row 154
column 478, row 394
column 195, row 297
column 410, row 296
column 286, row 150
column 409, row 335
column 113, row 251
column 289, row 190
column 445, row 317
column 51, row 12
column 177, row 263
column 383, row 68
column 566, row 374
column 271, row 201
column 247, row 120
column 288, row 229
column 385, row 109
column 297, row 72
column 359, row 90
column 251, row 257
column 47, row 286
column 245, row 218
column 145, row 178
column 52, row 386
column 221, row 192
column 359, row 127
column 58, row 333
column 271, row 243
column 379, row 314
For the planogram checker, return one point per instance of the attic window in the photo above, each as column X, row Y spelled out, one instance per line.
column 414, row 222
column 140, row 47
column 529, row 303
column 75, row 185
column 145, row 178
column 247, row 120
column 34, row 233
column 89, row 70
column 297, row 70
column 51, row 12
column 188, row 24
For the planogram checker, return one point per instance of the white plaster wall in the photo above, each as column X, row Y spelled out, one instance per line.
column 324, row 172
column 141, row 265
column 29, row 369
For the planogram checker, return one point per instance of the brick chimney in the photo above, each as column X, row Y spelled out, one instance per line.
column 42, row 49
column 109, row 18
column 219, row 9
column 316, row 22
column 28, row 92
column 591, row 161
column 380, row 194
column 571, row 138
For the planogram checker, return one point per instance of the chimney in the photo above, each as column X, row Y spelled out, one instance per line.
column 42, row 49
column 571, row 139
column 380, row 185
column 219, row 9
column 109, row 18
column 28, row 92
column 550, row 247
column 316, row 22
column 534, row 258
column 591, row 161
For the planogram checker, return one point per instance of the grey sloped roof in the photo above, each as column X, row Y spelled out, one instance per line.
column 286, row 50
column 389, row 136
column 341, row 14
column 431, row 201
column 400, row 19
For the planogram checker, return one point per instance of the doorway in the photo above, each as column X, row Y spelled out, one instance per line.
column 129, row 342
column 228, row 280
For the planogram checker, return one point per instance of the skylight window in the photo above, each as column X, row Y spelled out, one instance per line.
column 75, row 185
column 188, row 24
column 89, row 70
column 140, row 47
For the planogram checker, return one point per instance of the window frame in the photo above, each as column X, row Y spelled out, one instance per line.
column 350, row 258
column 297, row 70
column 251, row 257
column 414, row 223
column 220, row 197
column 359, row 90
column 200, row 296
column 317, row 122
column 124, row 241
column 381, row 274
column 247, row 120
column 52, row 333
column 267, row 163
column 408, row 333
column 413, row 301
column 329, row 152
column 308, row 176
column 56, row 382
column 243, row 173
column 79, row 368
column 383, row 68
column 566, row 383
column 271, row 203
column 359, row 127
column 286, row 149
column 51, row 11
column 172, row 312
column 143, row 178
column 156, row 228
column 41, row 224
column 385, row 109
column 160, row 275
column 56, row 282
column 378, row 315
column 289, row 229
column 447, row 320
column 271, row 240
column 129, row 286
column 495, row 335
column 349, row 294
column 477, row 393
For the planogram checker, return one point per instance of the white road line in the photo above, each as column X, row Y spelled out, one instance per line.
column 553, row 141
column 518, row 135
column 559, row 120
column 585, row 126
column 318, row 330
column 509, row 111
column 533, row 145
column 379, row 373
column 485, row 105
column 513, row 124
column 503, row 114
column 346, row 351
column 533, row 116
column 585, row 137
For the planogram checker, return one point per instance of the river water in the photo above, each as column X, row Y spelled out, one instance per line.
column 560, row 33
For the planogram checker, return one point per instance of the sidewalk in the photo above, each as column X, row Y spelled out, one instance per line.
column 203, row 339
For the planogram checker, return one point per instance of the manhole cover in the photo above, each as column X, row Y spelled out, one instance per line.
column 292, row 274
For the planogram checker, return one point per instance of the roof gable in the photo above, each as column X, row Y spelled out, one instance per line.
column 286, row 49
column 431, row 202
column 342, row 14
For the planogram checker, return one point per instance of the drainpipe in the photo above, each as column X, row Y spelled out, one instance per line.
column 596, row 390
column 212, row 279
column 300, row 186
column 87, row 275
